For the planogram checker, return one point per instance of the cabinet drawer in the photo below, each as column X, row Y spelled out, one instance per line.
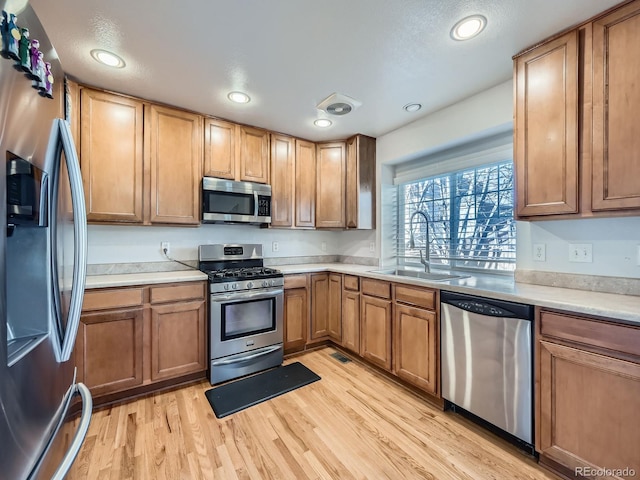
column 112, row 298
column 295, row 281
column 178, row 292
column 422, row 297
column 376, row 288
column 613, row 336
column 351, row 283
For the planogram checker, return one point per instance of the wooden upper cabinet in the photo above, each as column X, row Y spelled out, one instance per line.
column 111, row 156
column 174, row 149
column 220, row 139
column 305, row 182
column 616, row 101
column 72, row 110
column 253, row 161
column 282, row 180
column 330, row 194
column 361, row 182
column 546, row 128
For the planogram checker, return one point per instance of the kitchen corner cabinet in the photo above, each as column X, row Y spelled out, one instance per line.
column 577, row 141
column 136, row 337
column 588, row 392
column 235, row 152
column 546, row 129
column 351, row 313
column 415, row 337
column 112, row 156
column 296, row 312
column 174, row 152
column 331, row 183
column 141, row 163
column 360, row 186
column 375, row 322
column 326, row 306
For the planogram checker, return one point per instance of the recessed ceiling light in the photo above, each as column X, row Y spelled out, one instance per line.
column 412, row 107
column 323, row 123
column 239, row 97
column 468, row 27
column 107, row 58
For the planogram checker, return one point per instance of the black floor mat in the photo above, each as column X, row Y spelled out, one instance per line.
column 238, row 395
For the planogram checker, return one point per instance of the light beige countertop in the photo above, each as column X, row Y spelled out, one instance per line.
column 123, row 280
column 625, row 308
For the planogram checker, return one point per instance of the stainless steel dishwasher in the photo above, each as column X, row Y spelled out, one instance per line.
column 487, row 363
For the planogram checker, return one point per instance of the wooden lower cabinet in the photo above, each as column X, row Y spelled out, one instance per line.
column 414, row 346
column 375, row 331
column 588, row 393
column 178, row 343
column 351, row 321
column 335, row 307
column 319, row 306
column 296, row 319
column 109, row 350
column 136, row 336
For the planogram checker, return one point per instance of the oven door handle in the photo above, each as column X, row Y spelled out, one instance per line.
column 246, row 295
column 259, row 353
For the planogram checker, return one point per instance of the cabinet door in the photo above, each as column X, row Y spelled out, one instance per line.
column 330, row 194
column 175, row 156
column 305, row 191
column 546, row 128
column 335, row 307
column 616, row 100
column 220, row 139
column 375, row 331
column 111, row 156
column 282, row 178
column 319, row 306
column 178, row 344
column 109, row 350
column 254, row 155
column 414, row 348
column 296, row 319
column 360, row 182
column 588, row 409
column 351, row 321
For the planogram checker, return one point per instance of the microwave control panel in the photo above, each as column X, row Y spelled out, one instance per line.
column 264, row 206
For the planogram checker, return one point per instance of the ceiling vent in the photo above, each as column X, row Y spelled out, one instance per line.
column 338, row 104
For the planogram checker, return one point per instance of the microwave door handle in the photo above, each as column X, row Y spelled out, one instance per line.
column 255, row 204
column 81, row 433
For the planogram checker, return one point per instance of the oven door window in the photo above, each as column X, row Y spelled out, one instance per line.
column 241, row 319
column 229, row 203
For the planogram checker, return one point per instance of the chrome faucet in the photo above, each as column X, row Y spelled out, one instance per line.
column 412, row 244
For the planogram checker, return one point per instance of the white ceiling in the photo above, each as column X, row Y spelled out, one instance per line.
column 288, row 55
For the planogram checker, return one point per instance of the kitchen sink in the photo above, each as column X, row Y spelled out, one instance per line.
column 435, row 277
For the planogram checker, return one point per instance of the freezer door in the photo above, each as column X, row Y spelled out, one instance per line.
column 68, row 237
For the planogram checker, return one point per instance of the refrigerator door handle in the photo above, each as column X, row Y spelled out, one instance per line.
column 80, row 238
column 81, row 433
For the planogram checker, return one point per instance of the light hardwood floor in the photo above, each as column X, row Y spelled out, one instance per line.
column 354, row 423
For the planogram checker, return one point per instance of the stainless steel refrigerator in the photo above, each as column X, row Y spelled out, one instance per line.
column 42, row 262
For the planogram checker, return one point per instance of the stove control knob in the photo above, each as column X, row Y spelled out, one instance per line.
column 265, row 283
column 273, row 282
column 226, row 286
column 249, row 284
column 234, row 286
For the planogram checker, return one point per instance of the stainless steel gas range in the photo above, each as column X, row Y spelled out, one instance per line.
column 245, row 310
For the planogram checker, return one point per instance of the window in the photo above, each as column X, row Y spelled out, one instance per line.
column 470, row 219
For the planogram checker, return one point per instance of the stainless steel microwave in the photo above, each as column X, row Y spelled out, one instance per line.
column 235, row 202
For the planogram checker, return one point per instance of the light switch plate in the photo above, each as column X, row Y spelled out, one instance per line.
column 580, row 252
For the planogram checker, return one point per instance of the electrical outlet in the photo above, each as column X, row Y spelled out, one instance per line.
column 539, row 252
column 372, row 247
column 275, row 247
column 165, row 247
column 580, row 252
column 323, row 246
